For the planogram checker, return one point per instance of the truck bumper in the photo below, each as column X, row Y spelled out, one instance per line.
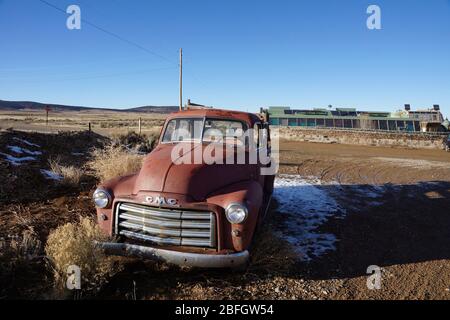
column 175, row 257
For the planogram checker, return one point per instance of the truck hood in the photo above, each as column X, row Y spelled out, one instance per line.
column 160, row 174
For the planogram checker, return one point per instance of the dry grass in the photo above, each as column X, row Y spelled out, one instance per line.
column 20, row 248
column 114, row 161
column 17, row 256
column 27, row 247
column 70, row 174
column 73, row 244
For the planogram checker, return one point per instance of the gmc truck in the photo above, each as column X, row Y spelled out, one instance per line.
column 184, row 209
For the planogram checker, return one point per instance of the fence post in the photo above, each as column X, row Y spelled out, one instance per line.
column 90, row 129
column 140, row 127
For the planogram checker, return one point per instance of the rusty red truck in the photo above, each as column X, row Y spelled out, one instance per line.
column 196, row 213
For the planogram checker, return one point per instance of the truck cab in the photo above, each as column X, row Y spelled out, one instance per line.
column 199, row 196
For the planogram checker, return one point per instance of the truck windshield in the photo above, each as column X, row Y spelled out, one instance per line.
column 210, row 130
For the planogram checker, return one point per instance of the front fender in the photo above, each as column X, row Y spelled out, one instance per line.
column 116, row 187
column 120, row 185
column 239, row 236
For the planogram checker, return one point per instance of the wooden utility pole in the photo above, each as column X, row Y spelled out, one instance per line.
column 140, row 127
column 47, row 110
column 181, row 79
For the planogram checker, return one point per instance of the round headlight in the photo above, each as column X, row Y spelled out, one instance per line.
column 236, row 213
column 101, row 198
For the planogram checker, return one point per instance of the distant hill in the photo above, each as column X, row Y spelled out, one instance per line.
column 30, row 105
column 154, row 109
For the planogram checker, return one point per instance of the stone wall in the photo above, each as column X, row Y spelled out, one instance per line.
column 406, row 140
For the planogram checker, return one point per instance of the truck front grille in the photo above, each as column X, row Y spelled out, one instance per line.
column 166, row 227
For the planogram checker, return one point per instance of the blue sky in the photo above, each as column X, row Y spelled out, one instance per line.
column 238, row 54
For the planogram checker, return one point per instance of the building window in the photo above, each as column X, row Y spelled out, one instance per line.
column 284, row 122
column 292, row 122
column 274, row 121
column 339, row 123
column 302, row 122
column 383, row 125
column 329, row 123
column 375, row 125
column 400, row 125
column 409, row 126
column 311, row 122
column 417, row 125
column 348, row 123
column 392, row 125
column 320, row 122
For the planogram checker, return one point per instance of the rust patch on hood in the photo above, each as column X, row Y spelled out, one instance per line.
column 160, row 174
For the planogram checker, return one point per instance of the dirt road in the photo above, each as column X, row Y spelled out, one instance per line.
column 337, row 210
column 397, row 205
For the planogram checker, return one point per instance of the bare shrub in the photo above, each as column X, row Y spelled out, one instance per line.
column 73, row 244
column 134, row 142
column 20, row 248
column 27, row 247
column 70, row 175
column 17, row 255
column 114, row 161
column 153, row 137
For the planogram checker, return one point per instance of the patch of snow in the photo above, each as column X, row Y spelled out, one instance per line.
column 77, row 153
column 20, row 150
column 306, row 206
column 372, row 191
column 16, row 161
column 51, row 175
column 27, row 142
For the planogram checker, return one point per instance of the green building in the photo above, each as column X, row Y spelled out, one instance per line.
column 350, row 118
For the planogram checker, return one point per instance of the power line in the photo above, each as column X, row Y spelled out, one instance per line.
column 112, row 34
column 87, row 77
column 42, row 68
